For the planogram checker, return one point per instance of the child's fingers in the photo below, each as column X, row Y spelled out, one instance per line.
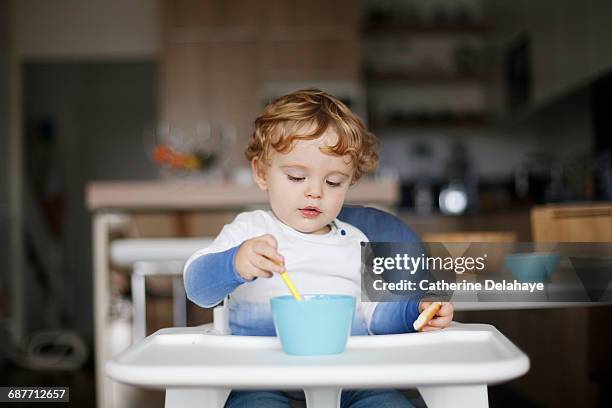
column 270, row 240
column 264, row 249
column 441, row 321
column 446, row 309
column 265, row 264
column 255, row 271
column 424, row 305
column 260, row 273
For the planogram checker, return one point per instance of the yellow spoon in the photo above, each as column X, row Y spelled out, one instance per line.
column 290, row 284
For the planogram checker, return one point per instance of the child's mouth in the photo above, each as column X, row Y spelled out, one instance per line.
column 310, row 212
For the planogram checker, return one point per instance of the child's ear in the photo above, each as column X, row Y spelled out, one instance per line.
column 259, row 173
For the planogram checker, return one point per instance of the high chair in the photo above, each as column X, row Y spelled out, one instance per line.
column 199, row 366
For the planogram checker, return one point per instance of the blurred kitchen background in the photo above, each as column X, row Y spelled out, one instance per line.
column 140, row 111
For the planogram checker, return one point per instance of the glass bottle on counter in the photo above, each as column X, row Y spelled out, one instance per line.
column 460, row 195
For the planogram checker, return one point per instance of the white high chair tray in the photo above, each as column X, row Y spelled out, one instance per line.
column 462, row 354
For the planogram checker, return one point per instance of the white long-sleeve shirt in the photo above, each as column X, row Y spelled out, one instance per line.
column 318, row 264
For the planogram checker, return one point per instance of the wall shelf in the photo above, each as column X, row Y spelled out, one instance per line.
column 448, row 78
column 434, row 77
column 429, row 29
column 396, row 125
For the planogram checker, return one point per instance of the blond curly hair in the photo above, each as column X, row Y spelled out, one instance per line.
column 284, row 121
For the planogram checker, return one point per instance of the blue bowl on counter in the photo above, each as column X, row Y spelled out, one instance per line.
column 317, row 325
column 532, row 267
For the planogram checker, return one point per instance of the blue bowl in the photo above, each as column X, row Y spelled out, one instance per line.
column 317, row 325
column 532, row 267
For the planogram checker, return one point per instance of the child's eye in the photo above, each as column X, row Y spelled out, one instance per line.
column 295, row 178
column 332, row 184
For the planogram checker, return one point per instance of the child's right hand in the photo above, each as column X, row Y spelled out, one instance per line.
column 258, row 257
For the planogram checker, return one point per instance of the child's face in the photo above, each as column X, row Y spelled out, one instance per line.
column 305, row 186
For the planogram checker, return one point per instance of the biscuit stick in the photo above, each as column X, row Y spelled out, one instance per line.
column 426, row 315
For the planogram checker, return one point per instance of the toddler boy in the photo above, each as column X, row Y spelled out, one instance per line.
column 307, row 149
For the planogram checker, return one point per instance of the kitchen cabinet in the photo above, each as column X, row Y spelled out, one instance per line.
column 570, row 43
column 217, row 56
column 559, row 33
column 599, row 42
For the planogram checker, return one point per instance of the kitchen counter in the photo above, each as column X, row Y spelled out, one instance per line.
column 188, row 194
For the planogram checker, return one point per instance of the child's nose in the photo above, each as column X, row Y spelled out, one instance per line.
column 314, row 190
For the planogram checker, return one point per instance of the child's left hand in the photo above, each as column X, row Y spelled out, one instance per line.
column 442, row 319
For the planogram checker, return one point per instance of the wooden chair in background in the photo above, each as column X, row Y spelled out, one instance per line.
column 568, row 347
column 591, row 325
column 471, row 236
column 581, row 223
